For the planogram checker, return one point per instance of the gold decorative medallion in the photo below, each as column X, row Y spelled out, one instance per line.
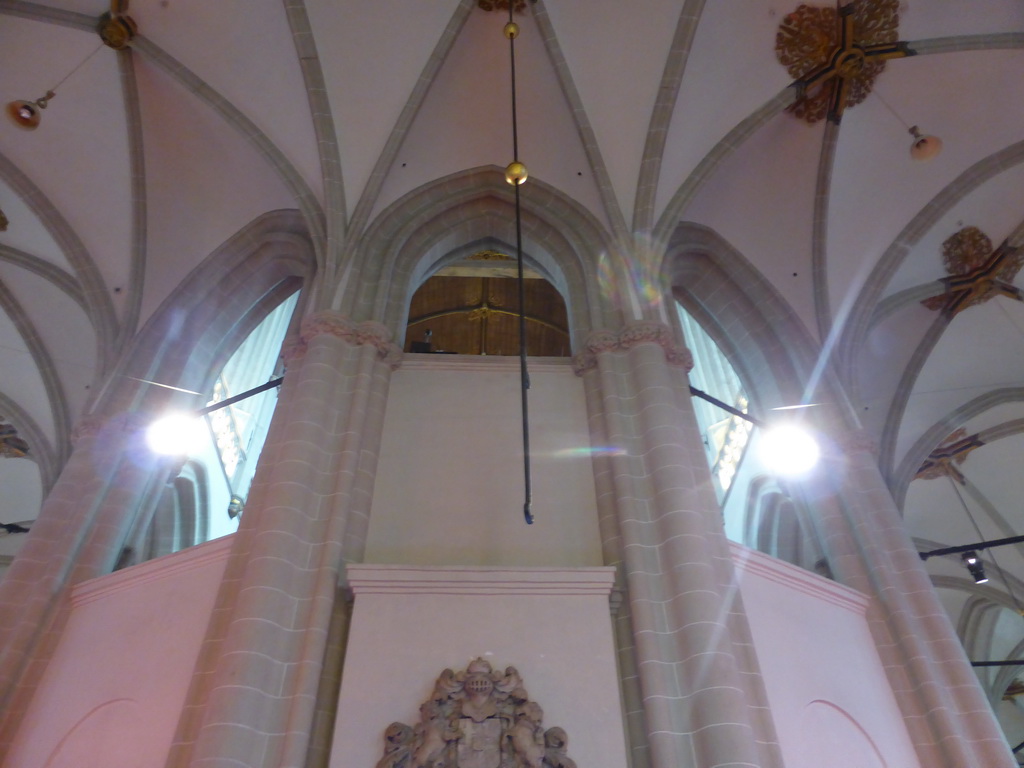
column 977, row 273
column 834, row 55
column 965, row 251
column 116, row 30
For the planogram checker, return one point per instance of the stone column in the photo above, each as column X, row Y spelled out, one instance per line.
column 253, row 695
column 703, row 702
column 80, row 531
column 947, row 715
column 605, row 487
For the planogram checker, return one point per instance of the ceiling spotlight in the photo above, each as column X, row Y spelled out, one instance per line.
column 974, row 566
column 924, row 146
column 27, row 114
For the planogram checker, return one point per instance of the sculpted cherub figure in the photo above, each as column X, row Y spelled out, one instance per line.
column 526, row 734
column 397, row 746
column 556, row 742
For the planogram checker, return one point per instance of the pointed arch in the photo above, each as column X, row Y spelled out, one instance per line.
column 764, row 340
column 197, row 327
column 935, row 434
column 436, row 223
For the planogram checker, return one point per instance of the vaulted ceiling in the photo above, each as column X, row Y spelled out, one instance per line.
column 147, row 159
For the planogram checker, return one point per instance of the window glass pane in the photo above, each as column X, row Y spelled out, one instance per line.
column 725, row 436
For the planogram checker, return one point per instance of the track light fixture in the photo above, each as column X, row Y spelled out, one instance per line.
column 974, row 566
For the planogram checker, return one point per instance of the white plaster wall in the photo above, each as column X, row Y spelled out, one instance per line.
column 410, row 623
column 830, row 698
column 449, row 486
column 112, row 695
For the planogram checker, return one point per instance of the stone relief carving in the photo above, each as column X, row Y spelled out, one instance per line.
column 477, row 718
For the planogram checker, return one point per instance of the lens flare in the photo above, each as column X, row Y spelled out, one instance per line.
column 642, row 270
column 595, row 450
column 176, row 434
column 787, row 449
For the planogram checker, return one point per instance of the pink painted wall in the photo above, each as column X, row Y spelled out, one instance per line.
column 118, row 679
column 409, row 623
column 450, row 479
column 829, row 695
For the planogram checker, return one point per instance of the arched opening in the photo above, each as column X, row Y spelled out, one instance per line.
column 443, row 223
column 471, row 307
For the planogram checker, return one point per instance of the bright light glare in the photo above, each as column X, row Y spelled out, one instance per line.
column 176, row 434
column 788, row 450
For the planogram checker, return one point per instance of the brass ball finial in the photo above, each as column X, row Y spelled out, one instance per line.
column 511, row 30
column 516, row 173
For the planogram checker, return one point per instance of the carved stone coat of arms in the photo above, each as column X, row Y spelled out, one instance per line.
column 477, row 718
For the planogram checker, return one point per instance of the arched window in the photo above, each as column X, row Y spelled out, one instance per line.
column 725, row 436
column 206, row 498
column 238, row 431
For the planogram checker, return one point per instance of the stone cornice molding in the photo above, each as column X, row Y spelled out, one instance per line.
column 632, row 335
column 367, row 332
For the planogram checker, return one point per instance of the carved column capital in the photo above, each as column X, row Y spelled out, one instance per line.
column 293, row 348
column 86, row 428
column 633, row 334
column 357, row 334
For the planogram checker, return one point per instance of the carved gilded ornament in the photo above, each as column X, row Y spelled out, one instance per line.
column 953, row 451
column 490, row 256
column 502, row 5
column 477, row 718
column 835, row 54
column 977, row 273
column 11, row 446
